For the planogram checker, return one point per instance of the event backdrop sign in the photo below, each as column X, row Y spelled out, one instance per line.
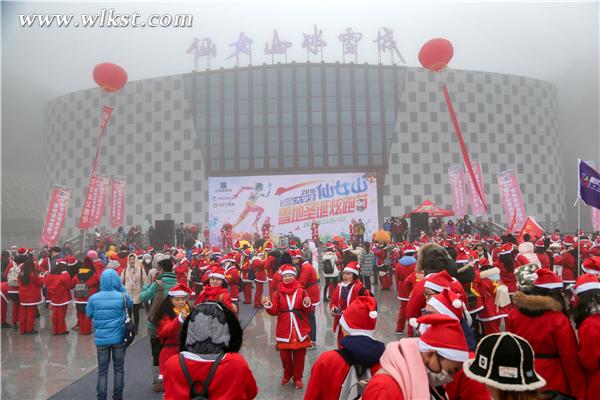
column 55, row 216
column 117, row 201
column 478, row 201
column 292, row 203
column 457, row 184
column 512, row 200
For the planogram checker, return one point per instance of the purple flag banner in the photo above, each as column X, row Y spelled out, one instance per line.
column 589, row 185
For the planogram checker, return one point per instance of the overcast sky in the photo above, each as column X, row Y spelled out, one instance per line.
column 556, row 42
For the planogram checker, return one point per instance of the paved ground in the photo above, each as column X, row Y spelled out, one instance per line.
column 40, row 366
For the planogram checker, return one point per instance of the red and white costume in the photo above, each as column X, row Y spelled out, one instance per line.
column 59, row 293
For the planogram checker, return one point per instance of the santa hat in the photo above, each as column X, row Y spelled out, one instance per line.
column 180, row 290
column 352, row 266
column 438, row 281
column 410, row 249
column 215, row 250
column 71, row 261
column 486, row 273
column 448, row 303
column 360, row 317
column 569, row 241
column 92, row 254
column 112, row 257
column 287, row 269
column 247, row 252
column 330, row 245
column 292, row 244
column 462, row 257
column 591, row 266
column 217, row 272
column 296, row 253
column 497, row 239
column 483, row 261
column 444, row 336
column 555, row 238
column 22, row 251
column 269, row 245
column 237, row 244
column 506, row 248
column 540, row 243
column 61, row 261
column 149, row 249
column 408, row 261
column 547, row 279
column 586, row 282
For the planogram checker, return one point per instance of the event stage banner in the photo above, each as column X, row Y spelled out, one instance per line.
column 512, row 200
column 457, row 184
column 117, row 201
column 55, row 215
column 93, row 207
column 291, row 203
column 478, row 204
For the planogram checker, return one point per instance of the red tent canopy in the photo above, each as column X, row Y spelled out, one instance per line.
column 431, row 209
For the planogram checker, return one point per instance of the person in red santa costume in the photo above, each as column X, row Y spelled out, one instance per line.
column 290, row 304
column 86, row 283
column 348, row 290
column 211, row 338
column 169, row 319
column 266, row 229
column 383, row 270
column 10, row 288
column 182, row 268
column 404, row 268
column 540, row 317
column 30, row 295
column 309, row 281
column 314, row 233
column 565, row 265
column 495, row 299
column 232, row 275
column 336, row 373
column 587, row 322
column 260, row 277
column 216, row 290
column 543, row 255
column 247, row 273
column 58, row 286
column 506, row 264
column 270, row 265
column 527, row 255
column 435, row 357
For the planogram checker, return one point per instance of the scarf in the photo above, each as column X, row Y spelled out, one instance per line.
column 211, row 293
column 288, row 288
column 186, row 307
column 402, row 361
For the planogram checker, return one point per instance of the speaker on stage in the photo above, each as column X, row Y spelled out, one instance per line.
column 419, row 222
column 164, row 233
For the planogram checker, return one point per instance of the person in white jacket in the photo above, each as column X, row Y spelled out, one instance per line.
column 329, row 261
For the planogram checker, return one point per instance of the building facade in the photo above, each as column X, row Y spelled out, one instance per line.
column 168, row 134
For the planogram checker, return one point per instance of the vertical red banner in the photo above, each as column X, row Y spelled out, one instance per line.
column 456, row 173
column 99, row 202
column 55, row 216
column 478, row 202
column 117, row 201
column 512, row 200
column 93, row 207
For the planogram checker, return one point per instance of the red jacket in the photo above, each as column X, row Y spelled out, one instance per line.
column 222, row 387
column 59, row 288
column 328, row 375
column 490, row 312
column 232, row 274
column 382, row 386
column 380, row 255
column 219, row 294
column 181, row 271
column 308, row 280
column 31, row 295
column 507, row 277
column 407, row 286
column 92, row 283
column 270, row 266
column 544, row 260
column 589, row 354
column 553, row 341
column 168, row 334
column 402, row 273
column 245, row 269
column 290, row 311
column 569, row 267
column 356, row 290
column 260, row 275
column 464, row 388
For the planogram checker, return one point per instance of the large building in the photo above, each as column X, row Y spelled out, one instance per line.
column 169, row 134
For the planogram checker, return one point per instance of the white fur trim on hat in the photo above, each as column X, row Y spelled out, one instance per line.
column 355, row 332
column 178, row 293
column 587, row 286
column 288, row 271
column 352, row 270
column 215, row 275
column 442, row 309
column 590, row 271
column 489, row 272
column 551, row 285
column 433, row 286
column 450, row 354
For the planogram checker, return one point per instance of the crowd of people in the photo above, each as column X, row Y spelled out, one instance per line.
column 478, row 316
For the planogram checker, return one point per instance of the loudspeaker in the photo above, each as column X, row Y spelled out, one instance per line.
column 164, row 233
column 418, row 222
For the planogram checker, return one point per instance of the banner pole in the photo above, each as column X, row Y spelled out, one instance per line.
column 578, row 237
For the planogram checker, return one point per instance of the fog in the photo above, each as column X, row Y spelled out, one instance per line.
column 555, row 42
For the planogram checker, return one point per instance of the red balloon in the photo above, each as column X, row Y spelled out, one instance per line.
column 436, row 54
column 110, row 77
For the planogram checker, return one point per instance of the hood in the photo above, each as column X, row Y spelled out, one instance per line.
column 526, row 248
column 535, row 302
column 110, row 280
column 363, row 350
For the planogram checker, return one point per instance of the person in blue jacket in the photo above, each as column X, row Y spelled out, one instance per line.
column 107, row 310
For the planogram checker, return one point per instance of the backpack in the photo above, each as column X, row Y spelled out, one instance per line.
column 156, row 302
column 81, row 290
column 327, row 266
column 356, row 380
column 13, row 276
column 194, row 395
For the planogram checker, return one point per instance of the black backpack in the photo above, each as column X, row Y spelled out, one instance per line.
column 327, row 266
column 194, row 395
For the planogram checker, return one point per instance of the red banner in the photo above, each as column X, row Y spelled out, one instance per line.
column 457, row 184
column 117, row 201
column 512, row 200
column 106, row 114
column 55, row 216
column 478, row 203
column 93, row 207
column 533, row 228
